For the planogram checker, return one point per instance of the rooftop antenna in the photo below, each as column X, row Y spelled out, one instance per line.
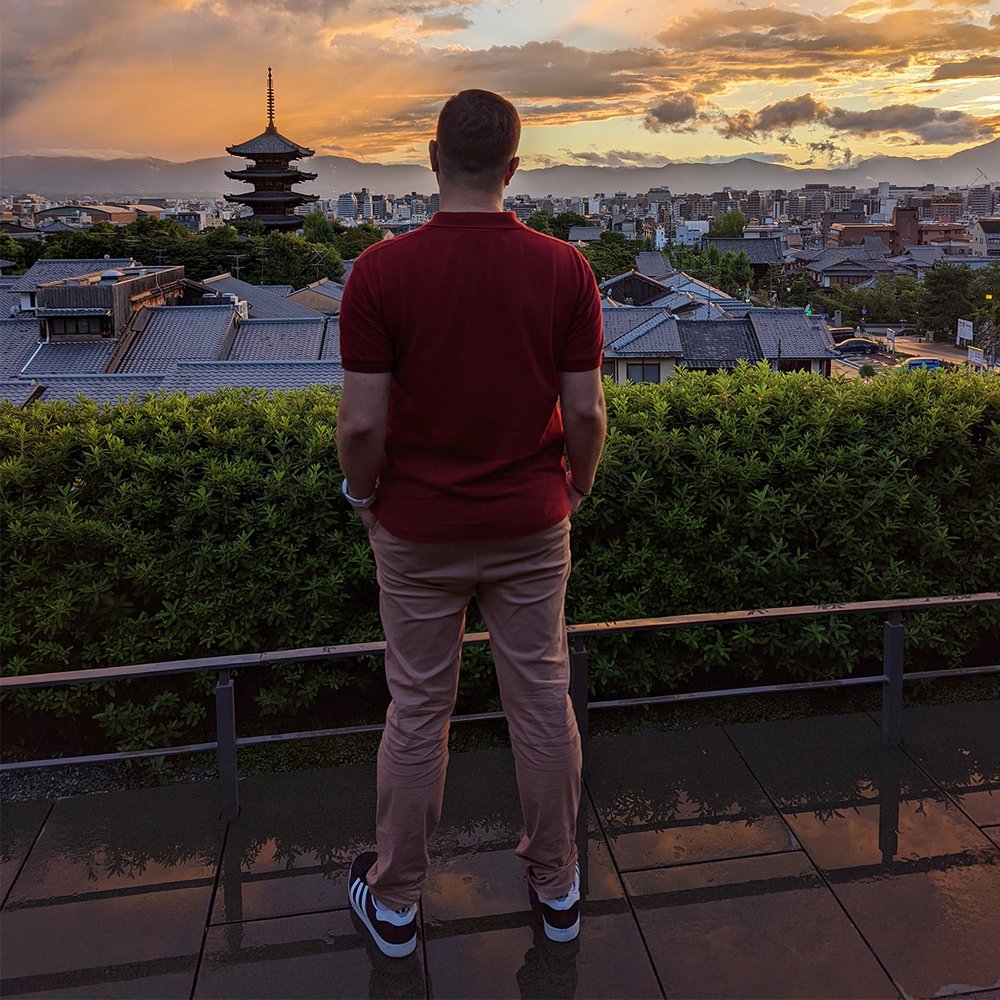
column 270, row 100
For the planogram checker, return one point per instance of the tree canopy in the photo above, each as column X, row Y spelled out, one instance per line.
column 267, row 259
column 731, row 224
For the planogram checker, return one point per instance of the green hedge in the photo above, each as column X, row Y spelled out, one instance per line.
column 176, row 527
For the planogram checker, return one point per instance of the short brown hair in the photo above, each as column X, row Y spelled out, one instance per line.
column 477, row 134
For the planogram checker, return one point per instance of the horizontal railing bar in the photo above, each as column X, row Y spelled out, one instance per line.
column 237, row 661
column 666, row 699
column 243, row 741
column 783, row 614
column 106, row 758
column 929, row 675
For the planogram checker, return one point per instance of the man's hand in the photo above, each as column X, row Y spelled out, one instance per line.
column 575, row 496
column 368, row 519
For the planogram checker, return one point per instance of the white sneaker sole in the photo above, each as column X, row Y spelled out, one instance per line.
column 561, row 933
column 386, row 947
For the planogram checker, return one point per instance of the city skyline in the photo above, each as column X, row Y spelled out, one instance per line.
column 812, row 83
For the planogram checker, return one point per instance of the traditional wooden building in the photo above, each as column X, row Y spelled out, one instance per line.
column 273, row 201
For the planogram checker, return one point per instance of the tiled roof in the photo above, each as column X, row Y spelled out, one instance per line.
column 652, row 264
column 8, row 301
column 990, row 224
column 195, row 377
column 801, row 337
column 331, row 340
column 82, row 357
column 850, row 258
column 331, row 289
column 18, row 392
column 620, row 320
column 18, row 341
column 717, row 343
column 43, row 271
column 278, row 340
column 269, row 141
column 656, row 337
column 100, row 388
column 585, row 233
column 348, row 267
column 681, row 282
column 760, row 251
column 281, row 290
column 264, row 303
column 179, row 333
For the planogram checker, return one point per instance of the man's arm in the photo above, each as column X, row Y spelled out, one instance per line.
column 581, row 399
column 361, row 421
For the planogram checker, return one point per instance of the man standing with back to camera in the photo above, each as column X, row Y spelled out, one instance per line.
column 472, row 352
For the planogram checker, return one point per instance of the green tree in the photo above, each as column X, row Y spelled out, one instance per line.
column 11, row 249
column 735, row 273
column 101, row 239
column 731, row 224
column 353, row 240
column 562, row 223
column 612, row 254
column 317, row 227
column 539, row 221
column 948, row 297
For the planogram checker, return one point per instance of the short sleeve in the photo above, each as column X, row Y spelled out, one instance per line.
column 365, row 344
column 583, row 348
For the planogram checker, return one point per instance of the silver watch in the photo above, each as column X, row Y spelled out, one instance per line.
column 354, row 502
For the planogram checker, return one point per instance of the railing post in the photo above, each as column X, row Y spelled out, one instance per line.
column 225, row 748
column 892, row 684
column 579, row 688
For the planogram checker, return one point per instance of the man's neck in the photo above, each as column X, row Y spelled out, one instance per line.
column 460, row 200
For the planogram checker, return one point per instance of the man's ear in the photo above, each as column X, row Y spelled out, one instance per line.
column 511, row 167
column 432, row 149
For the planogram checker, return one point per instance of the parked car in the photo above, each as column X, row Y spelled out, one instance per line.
column 928, row 364
column 857, row 345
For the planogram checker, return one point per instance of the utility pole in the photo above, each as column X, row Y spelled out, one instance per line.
column 237, row 257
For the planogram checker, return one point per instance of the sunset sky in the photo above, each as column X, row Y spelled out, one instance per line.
column 619, row 82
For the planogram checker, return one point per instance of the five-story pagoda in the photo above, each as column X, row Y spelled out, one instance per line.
column 273, row 201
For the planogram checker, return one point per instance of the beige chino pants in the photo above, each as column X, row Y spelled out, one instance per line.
column 520, row 587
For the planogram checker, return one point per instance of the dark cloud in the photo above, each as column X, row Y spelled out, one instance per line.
column 790, row 113
column 927, row 124
column 802, row 110
column 617, row 158
column 977, row 66
column 678, row 109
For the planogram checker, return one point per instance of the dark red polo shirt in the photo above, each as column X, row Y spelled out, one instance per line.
column 475, row 315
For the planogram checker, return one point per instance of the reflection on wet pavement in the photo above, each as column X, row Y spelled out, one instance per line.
column 783, row 859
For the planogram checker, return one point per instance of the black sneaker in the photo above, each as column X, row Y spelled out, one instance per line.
column 561, row 917
column 393, row 931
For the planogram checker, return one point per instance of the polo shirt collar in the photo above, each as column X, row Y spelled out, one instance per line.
column 475, row 220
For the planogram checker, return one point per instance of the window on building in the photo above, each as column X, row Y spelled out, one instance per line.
column 608, row 368
column 75, row 326
column 643, row 371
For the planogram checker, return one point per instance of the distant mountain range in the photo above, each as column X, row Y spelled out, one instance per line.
column 85, row 177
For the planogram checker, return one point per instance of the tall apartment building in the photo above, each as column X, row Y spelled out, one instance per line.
column 347, row 206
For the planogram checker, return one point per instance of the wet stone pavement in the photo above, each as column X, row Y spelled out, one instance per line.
column 780, row 859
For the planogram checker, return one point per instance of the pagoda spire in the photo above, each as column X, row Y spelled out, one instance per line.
column 270, row 100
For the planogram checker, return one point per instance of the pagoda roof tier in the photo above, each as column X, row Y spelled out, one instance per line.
column 267, row 198
column 277, row 221
column 251, row 174
column 269, row 143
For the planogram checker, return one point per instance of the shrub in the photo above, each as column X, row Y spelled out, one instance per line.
column 177, row 527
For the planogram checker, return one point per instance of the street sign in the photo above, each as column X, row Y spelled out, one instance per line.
column 964, row 331
column 976, row 357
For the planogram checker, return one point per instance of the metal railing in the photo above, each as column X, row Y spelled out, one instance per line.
column 227, row 742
